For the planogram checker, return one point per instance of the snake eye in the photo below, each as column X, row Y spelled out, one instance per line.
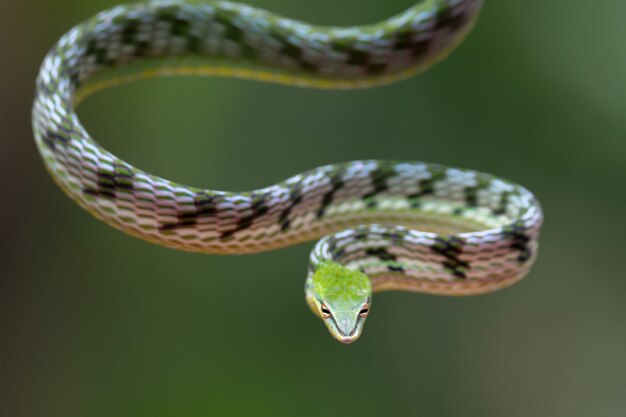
column 325, row 312
column 364, row 311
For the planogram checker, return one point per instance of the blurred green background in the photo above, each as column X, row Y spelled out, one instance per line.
column 96, row 323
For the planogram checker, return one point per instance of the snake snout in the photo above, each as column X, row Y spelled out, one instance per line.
column 348, row 337
column 346, row 327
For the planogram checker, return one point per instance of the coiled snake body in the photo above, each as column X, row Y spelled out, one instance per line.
column 387, row 225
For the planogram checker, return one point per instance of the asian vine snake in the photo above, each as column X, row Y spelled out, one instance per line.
column 387, row 225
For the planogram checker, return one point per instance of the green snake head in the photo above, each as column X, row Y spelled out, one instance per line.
column 341, row 297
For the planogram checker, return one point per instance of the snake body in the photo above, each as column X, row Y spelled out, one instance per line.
column 404, row 225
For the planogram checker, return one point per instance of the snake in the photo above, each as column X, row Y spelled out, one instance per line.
column 379, row 225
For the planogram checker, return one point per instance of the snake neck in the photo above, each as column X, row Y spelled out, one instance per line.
column 397, row 258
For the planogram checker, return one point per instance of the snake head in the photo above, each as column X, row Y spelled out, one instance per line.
column 341, row 297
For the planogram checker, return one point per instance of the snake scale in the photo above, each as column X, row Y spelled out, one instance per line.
column 383, row 225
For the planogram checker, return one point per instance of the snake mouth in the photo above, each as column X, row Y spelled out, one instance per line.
column 348, row 339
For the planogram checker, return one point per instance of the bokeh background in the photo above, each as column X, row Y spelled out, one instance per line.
column 96, row 323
